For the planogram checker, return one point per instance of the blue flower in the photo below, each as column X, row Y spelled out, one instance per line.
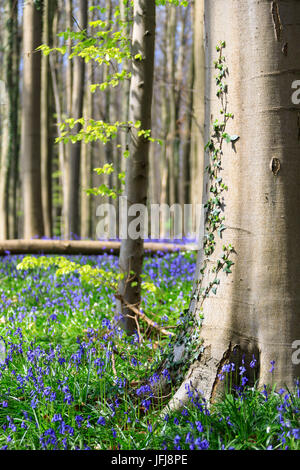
column 78, row 420
column 56, row 417
column 199, row 426
column 101, row 421
column 272, row 366
column 202, row 444
column 296, row 433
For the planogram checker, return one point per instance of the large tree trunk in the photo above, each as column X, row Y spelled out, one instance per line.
column 31, row 121
column 256, row 308
column 136, row 186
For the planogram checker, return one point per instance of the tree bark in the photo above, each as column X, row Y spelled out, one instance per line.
column 5, row 111
column 256, row 308
column 31, row 121
column 136, row 184
column 9, row 111
column 46, row 135
column 197, row 137
column 171, row 154
column 87, row 157
column 69, row 87
column 14, row 185
column 76, row 247
column 75, row 149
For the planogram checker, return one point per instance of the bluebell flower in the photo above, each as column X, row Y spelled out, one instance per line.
column 253, row 362
column 78, row 420
column 101, row 421
column 56, row 417
column 199, row 426
column 202, row 444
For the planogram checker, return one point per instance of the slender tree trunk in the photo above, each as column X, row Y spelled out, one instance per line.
column 124, row 15
column 256, row 308
column 9, row 108
column 46, row 135
column 75, row 149
column 14, row 188
column 66, row 166
column 164, row 198
column 197, row 138
column 31, row 121
column 184, row 159
column 185, row 164
column 87, row 158
column 4, row 162
column 131, row 255
column 171, row 79
column 5, row 111
column 60, row 191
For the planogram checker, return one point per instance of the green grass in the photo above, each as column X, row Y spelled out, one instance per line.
column 72, row 380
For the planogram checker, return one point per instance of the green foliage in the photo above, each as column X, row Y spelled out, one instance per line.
column 65, row 361
column 108, row 46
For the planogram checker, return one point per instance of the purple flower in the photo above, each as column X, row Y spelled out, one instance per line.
column 199, row 426
column 34, row 403
column 202, row 444
column 272, row 366
column 56, row 417
column 253, row 362
column 101, row 421
column 296, row 433
column 78, row 420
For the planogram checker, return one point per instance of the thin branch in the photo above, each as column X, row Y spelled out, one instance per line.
column 140, row 314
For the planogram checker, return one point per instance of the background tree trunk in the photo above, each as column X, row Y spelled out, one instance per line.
column 136, row 185
column 197, row 133
column 256, row 308
column 75, row 149
column 14, row 185
column 46, row 120
column 87, row 156
column 31, row 121
column 9, row 111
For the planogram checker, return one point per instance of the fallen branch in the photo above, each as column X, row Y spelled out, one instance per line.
column 141, row 315
column 79, row 247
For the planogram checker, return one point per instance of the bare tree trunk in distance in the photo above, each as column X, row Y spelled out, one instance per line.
column 75, row 149
column 69, row 87
column 136, row 183
column 14, row 186
column 31, row 121
column 198, row 138
column 9, row 110
column 256, row 308
column 46, row 135
column 5, row 124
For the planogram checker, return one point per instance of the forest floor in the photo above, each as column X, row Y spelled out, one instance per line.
column 70, row 379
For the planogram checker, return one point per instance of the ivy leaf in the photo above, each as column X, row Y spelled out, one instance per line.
column 220, row 230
